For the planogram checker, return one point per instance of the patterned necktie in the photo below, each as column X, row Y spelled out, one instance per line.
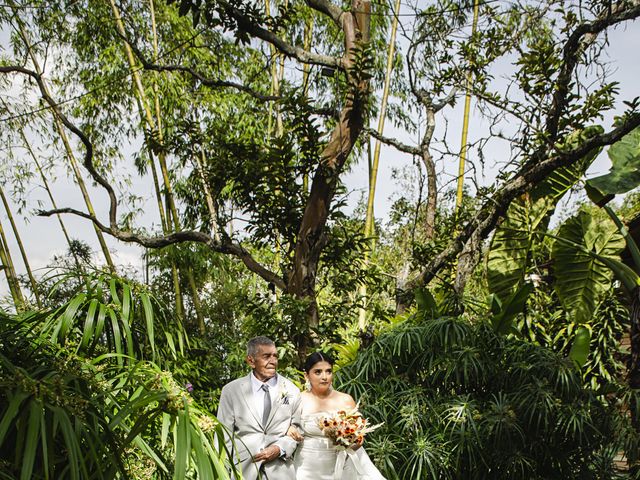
column 267, row 405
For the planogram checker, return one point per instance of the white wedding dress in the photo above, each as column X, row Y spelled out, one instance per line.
column 316, row 457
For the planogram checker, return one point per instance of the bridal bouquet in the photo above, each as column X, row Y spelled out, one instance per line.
column 346, row 427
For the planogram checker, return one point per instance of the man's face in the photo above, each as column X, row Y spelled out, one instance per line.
column 264, row 363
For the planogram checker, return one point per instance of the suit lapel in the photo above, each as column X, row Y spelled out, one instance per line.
column 247, row 396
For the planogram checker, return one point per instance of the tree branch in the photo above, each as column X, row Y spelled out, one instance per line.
column 398, row 145
column 583, row 36
column 88, row 156
column 178, row 237
column 329, row 9
column 300, row 54
column 529, row 175
column 126, row 236
column 204, row 80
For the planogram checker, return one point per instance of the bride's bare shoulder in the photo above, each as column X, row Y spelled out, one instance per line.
column 346, row 400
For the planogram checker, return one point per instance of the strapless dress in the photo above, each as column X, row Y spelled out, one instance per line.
column 317, row 458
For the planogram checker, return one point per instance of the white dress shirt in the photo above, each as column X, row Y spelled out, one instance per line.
column 258, row 393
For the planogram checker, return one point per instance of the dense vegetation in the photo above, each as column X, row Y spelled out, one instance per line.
column 494, row 328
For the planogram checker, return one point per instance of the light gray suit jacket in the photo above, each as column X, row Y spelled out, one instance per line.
column 247, row 436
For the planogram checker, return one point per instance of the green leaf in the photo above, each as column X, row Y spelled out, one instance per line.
column 10, row 414
column 31, row 443
column 88, row 330
column 624, row 174
column 67, row 319
column 147, row 450
column 202, row 461
column 528, row 216
column 425, row 302
column 580, row 349
column 581, row 276
column 127, row 311
column 172, row 345
column 102, row 313
column 183, row 444
column 502, row 322
column 113, row 289
column 76, row 463
column 164, row 432
column 117, row 336
column 148, row 316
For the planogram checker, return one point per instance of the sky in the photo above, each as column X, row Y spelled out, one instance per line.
column 43, row 239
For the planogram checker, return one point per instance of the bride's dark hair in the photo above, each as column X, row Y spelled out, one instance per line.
column 315, row 358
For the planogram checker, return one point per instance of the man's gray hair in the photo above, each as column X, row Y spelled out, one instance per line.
column 255, row 342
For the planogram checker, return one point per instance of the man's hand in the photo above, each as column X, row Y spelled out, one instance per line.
column 268, row 454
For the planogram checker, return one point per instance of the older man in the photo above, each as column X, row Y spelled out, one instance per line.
column 257, row 411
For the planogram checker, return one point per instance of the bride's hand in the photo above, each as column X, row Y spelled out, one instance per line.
column 356, row 445
column 294, row 433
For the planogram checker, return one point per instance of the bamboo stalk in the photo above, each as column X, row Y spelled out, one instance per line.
column 373, row 170
column 208, row 196
column 67, row 145
column 146, row 110
column 175, row 276
column 196, row 303
column 465, row 122
column 173, row 223
column 45, row 184
column 156, row 96
column 10, row 272
column 23, row 253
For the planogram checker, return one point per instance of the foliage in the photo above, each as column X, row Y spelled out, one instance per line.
column 460, row 401
column 624, row 174
column 210, row 116
column 580, row 277
column 79, row 400
column 510, row 253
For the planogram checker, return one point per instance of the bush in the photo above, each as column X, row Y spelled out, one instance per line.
column 460, row 401
column 81, row 398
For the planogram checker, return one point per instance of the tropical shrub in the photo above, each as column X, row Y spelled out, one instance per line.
column 80, row 396
column 462, row 401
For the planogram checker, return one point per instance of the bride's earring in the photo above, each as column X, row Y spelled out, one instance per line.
column 307, row 385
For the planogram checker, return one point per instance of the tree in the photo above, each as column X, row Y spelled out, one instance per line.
column 264, row 180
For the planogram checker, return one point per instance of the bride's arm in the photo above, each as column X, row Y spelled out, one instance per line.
column 294, row 433
column 295, row 428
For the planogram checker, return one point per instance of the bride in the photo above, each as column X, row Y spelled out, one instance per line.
column 316, row 457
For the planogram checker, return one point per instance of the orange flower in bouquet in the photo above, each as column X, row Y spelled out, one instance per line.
column 346, row 428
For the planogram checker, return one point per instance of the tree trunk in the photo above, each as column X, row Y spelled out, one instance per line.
column 430, row 168
column 311, row 237
column 25, row 259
